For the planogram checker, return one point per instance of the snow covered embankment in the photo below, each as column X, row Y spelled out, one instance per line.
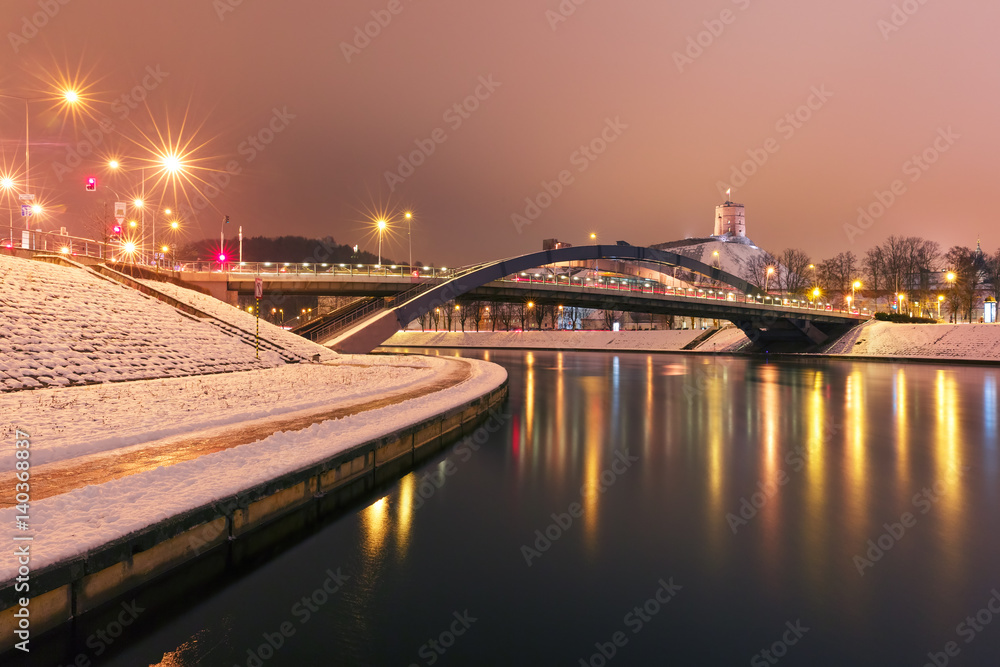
column 64, row 326
column 71, row 524
column 973, row 342
column 75, row 421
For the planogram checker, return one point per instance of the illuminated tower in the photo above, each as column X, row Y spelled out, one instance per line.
column 730, row 220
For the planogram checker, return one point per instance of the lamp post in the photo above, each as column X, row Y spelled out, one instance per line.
column 70, row 97
column 381, row 224
column 951, row 277
column 409, row 236
column 7, row 183
column 767, row 278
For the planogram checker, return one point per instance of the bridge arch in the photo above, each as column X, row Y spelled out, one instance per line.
column 487, row 273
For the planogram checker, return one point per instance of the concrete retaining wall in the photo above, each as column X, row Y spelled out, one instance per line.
column 67, row 590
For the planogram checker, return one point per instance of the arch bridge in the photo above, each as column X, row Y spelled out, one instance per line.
column 766, row 325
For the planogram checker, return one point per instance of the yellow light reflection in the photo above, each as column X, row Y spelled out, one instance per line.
column 902, row 432
column 404, row 520
column 948, row 466
column 820, row 429
column 855, row 470
column 375, row 525
column 594, row 425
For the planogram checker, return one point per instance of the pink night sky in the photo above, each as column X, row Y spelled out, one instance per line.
column 623, row 118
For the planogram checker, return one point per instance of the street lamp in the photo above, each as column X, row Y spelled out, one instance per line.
column 381, row 224
column 901, row 297
column 940, row 299
column 767, row 278
column 7, row 183
column 409, row 235
column 70, row 97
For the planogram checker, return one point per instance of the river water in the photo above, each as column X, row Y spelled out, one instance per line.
column 632, row 509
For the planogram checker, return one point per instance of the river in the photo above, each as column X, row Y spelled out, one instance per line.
column 635, row 509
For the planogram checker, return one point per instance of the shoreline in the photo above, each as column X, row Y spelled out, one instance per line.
column 240, row 524
column 618, row 342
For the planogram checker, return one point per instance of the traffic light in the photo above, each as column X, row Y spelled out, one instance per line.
column 91, row 184
column 222, row 257
column 116, row 229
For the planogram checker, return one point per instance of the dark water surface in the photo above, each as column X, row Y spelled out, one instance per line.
column 742, row 494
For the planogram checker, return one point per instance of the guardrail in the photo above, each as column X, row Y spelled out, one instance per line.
column 647, row 287
column 342, row 323
column 58, row 243
column 317, row 269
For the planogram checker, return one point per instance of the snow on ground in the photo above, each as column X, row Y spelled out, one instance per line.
column 242, row 320
column 64, row 326
column 734, row 258
column 559, row 340
column 73, row 421
column 729, row 339
column 942, row 341
column 67, row 525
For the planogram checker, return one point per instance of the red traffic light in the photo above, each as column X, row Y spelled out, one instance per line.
column 91, row 184
column 222, row 257
column 117, row 229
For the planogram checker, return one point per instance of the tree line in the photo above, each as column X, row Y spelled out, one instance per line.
column 909, row 265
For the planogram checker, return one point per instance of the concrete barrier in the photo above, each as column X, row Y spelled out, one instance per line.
column 65, row 591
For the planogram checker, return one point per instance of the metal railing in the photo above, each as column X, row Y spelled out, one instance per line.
column 704, row 293
column 59, row 243
column 305, row 269
column 383, row 303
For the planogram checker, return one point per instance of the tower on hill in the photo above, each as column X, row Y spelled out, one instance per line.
column 730, row 220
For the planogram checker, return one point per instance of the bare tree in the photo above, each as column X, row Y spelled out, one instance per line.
column 992, row 274
column 837, row 274
column 539, row 312
column 758, row 266
column 968, row 267
column 611, row 316
column 449, row 313
column 874, row 273
column 476, row 310
column 794, row 279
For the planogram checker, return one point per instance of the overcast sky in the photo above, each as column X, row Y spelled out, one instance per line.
column 671, row 98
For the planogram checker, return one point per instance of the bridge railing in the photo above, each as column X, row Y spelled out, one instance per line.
column 317, row 269
column 383, row 303
column 703, row 293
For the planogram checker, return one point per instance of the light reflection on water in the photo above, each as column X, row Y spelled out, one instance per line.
column 855, row 443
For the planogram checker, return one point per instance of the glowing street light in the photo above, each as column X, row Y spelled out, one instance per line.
column 7, row 183
column 939, row 300
column 767, row 278
column 409, row 236
column 381, row 224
